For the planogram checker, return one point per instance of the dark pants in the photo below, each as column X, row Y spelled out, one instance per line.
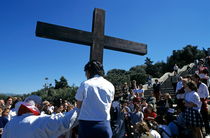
column 204, row 113
column 174, row 86
column 94, row 129
column 157, row 95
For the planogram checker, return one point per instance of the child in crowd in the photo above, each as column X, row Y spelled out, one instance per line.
column 149, row 112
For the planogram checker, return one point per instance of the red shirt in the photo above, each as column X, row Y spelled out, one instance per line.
column 150, row 116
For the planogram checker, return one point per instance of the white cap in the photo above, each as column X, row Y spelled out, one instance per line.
column 35, row 98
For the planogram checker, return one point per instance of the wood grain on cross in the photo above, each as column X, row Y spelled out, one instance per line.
column 96, row 39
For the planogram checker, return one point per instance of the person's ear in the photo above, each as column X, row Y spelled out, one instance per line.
column 87, row 74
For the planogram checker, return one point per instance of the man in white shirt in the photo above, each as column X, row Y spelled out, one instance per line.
column 174, row 80
column 30, row 124
column 176, row 68
column 203, row 93
column 179, row 84
column 94, row 97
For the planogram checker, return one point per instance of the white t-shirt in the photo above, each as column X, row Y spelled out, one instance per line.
column 138, row 91
column 155, row 134
column 166, row 133
column 12, row 113
column 194, row 98
column 179, row 85
column 96, row 95
column 115, row 104
column 180, row 96
column 176, row 67
column 203, row 91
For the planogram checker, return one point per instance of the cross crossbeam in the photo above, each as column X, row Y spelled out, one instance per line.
column 96, row 39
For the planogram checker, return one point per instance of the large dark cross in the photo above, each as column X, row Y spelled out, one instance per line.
column 96, row 39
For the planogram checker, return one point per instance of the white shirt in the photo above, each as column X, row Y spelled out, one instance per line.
column 194, row 98
column 176, row 67
column 51, row 109
column 155, row 134
column 179, row 85
column 138, row 91
column 180, row 96
column 96, row 95
column 12, row 113
column 167, row 130
column 42, row 126
column 115, row 104
column 203, row 91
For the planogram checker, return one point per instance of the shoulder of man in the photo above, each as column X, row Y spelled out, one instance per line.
column 203, row 84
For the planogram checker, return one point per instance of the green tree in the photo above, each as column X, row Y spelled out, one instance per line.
column 138, row 73
column 62, row 83
column 184, row 56
column 148, row 61
column 159, row 69
column 150, row 68
column 117, row 76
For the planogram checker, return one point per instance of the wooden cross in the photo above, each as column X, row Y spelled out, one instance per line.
column 96, row 39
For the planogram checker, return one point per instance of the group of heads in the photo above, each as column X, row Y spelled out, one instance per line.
column 190, row 83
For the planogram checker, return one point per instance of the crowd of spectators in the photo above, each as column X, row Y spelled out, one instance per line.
column 160, row 115
column 134, row 115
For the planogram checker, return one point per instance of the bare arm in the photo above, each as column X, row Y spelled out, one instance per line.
column 79, row 104
column 190, row 104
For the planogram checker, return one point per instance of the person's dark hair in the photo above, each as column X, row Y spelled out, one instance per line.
column 8, row 98
column 13, row 104
column 208, row 60
column 94, row 68
column 133, row 84
column 161, row 120
column 205, row 71
column 201, row 61
column 192, row 86
column 152, row 124
column 187, row 76
column 143, row 99
column 196, row 76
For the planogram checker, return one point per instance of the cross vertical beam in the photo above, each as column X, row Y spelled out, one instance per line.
column 96, row 52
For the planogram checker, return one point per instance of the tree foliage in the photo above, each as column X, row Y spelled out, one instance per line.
column 61, row 90
column 138, row 73
column 54, row 95
column 182, row 57
column 150, row 68
column 117, row 76
column 61, row 84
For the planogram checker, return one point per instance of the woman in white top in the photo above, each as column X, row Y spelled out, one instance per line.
column 94, row 98
column 193, row 118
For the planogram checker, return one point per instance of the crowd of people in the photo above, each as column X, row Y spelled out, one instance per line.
column 160, row 115
column 101, row 113
column 181, row 116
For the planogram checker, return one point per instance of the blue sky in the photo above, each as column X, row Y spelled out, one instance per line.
column 164, row 25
